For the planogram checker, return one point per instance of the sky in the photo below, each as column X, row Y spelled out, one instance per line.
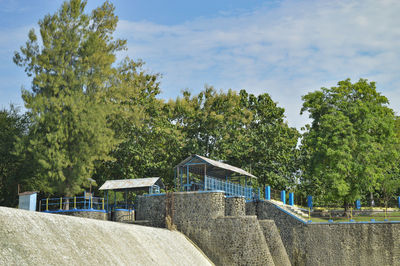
column 285, row 48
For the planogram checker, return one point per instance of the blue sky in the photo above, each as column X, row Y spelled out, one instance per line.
column 285, row 48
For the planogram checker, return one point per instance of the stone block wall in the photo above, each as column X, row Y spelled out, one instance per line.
column 124, row 216
column 98, row 215
column 331, row 243
column 230, row 240
column 233, row 240
column 284, row 222
column 181, row 206
column 235, row 206
column 151, row 209
column 250, row 240
column 196, row 206
column 347, row 244
column 274, row 242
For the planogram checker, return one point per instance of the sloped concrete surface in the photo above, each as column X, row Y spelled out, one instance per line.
column 31, row 238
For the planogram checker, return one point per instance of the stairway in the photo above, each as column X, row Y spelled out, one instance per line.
column 300, row 213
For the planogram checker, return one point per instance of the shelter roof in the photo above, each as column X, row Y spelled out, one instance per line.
column 131, row 184
column 217, row 168
column 27, row 193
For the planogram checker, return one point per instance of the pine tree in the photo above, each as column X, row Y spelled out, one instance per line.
column 72, row 68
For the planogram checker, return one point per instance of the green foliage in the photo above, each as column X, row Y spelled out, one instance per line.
column 150, row 143
column 71, row 66
column 351, row 147
column 241, row 129
column 13, row 126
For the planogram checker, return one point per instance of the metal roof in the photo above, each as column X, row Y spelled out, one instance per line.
column 217, row 165
column 130, row 183
column 27, row 193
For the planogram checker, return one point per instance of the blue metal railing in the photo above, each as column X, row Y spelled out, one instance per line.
column 72, row 203
column 230, row 188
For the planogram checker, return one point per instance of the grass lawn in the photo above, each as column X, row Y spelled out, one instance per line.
column 379, row 217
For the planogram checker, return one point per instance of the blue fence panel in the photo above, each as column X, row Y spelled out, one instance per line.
column 229, row 187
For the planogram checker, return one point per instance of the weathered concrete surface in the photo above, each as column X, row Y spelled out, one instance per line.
column 31, row 238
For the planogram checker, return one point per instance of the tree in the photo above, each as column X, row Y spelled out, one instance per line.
column 351, row 144
column 12, row 126
column 241, row 129
column 272, row 151
column 72, row 69
column 150, row 142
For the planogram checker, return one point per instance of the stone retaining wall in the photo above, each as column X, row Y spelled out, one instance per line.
column 233, row 240
column 152, row 209
column 274, row 242
column 235, row 206
column 243, row 240
column 284, row 222
column 347, row 244
column 333, row 243
column 230, row 240
column 124, row 216
column 98, row 215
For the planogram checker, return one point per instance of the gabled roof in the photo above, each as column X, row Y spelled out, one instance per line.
column 131, row 184
column 216, row 167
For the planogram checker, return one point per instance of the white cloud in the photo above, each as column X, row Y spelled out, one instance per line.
column 285, row 50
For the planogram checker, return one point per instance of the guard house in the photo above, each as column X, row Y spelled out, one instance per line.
column 198, row 173
column 27, row 200
column 150, row 184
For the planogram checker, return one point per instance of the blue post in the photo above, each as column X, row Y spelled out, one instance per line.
column 268, row 193
column 358, row 204
column 115, row 200
column 89, row 202
column 399, row 201
column 84, row 199
column 107, row 202
column 291, row 198
column 259, row 193
column 309, row 202
column 181, row 185
column 283, row 196
column 187, row 178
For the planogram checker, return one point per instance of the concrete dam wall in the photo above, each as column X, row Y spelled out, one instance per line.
column 31, row 238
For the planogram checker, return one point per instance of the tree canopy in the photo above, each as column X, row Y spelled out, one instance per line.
column 351, row 146
column 72, row 68
column 242, row 129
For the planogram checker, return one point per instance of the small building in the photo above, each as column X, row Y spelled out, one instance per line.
column 199, row 173
column 152, row 185
column 27, row 200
